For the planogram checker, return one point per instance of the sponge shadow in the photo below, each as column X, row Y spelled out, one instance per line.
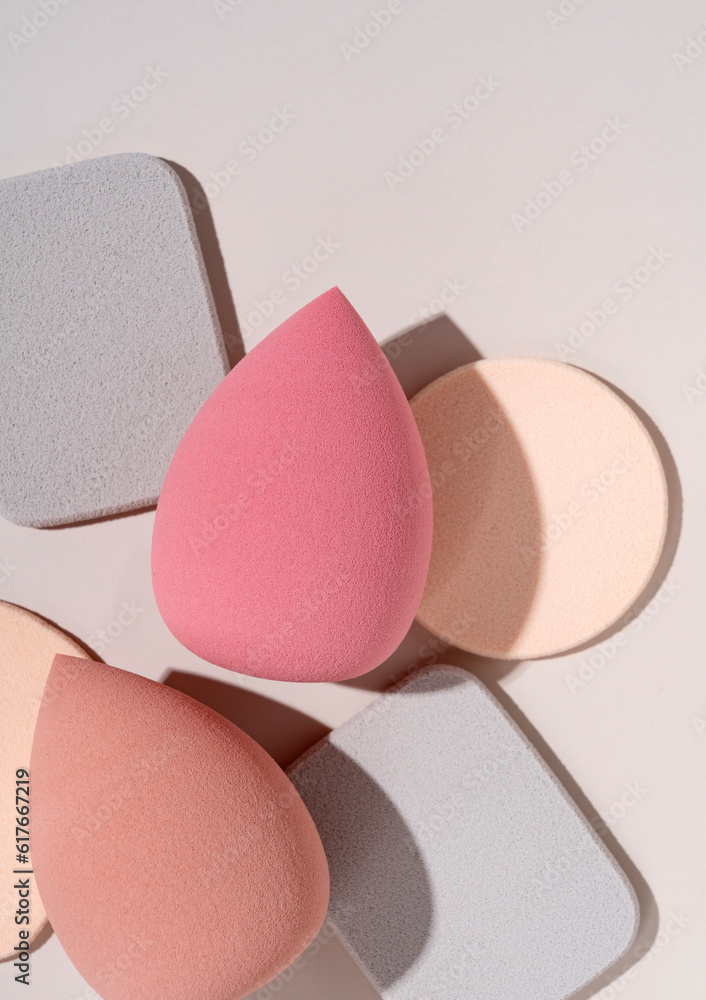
column 419, row 356
column 381, row 892
column 213, row 261
column 392, row 936
column 282, row 731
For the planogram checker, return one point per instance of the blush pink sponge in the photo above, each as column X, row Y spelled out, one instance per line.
column 173, row 856
column 293, row 533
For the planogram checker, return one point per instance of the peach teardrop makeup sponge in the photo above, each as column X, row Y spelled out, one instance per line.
column 550, row 507
column 28, row 645
column 293, row 532
column 175, row 859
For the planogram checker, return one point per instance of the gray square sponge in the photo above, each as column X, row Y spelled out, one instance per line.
column 109, row 341
column 459, row 866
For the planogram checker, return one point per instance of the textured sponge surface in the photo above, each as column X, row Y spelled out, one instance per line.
column 459, row 867
column 293, row 533
column 174, row 857
column 550, row 507
column 109, row 341
column 28, row 645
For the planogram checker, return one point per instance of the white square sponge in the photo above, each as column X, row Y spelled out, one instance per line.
column 109, row 340
column 459, row 865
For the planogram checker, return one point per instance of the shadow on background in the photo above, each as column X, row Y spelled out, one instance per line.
column 418, row 357
column 213, row 260
column 282, row 731
column 223, row 301
column 420, row 648
column 423, row 353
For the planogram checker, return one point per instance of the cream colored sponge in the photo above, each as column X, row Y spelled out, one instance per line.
column 550, row 507
column 28, row 645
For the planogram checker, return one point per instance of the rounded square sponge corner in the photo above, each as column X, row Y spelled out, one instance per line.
column 459, row 866
column 110, row 341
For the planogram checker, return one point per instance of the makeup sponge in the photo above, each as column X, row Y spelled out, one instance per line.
column 175, row 859
column 550, row 507
column 459, row 866
column 293, row 533
column 109, row 341
column 27, row 647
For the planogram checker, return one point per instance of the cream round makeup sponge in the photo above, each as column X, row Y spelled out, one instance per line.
column 28, row 645
column 293, row 531
column 175, row 859
column 550, row 507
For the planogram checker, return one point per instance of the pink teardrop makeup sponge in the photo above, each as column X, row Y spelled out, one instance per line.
column 174, row 857
column 550, row 507
column 293, row 532
column 28, row 645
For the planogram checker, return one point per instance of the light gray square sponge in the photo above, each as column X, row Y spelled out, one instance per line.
column 459, row 866
column 109, row 341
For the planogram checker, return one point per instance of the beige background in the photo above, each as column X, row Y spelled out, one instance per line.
column 627, row 717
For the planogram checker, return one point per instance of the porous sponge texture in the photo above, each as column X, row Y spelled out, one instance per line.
column 459, row 866
column 28, row 645
column 293, row 533
column 109, row 341
column 550, row 507
column 174, row 857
